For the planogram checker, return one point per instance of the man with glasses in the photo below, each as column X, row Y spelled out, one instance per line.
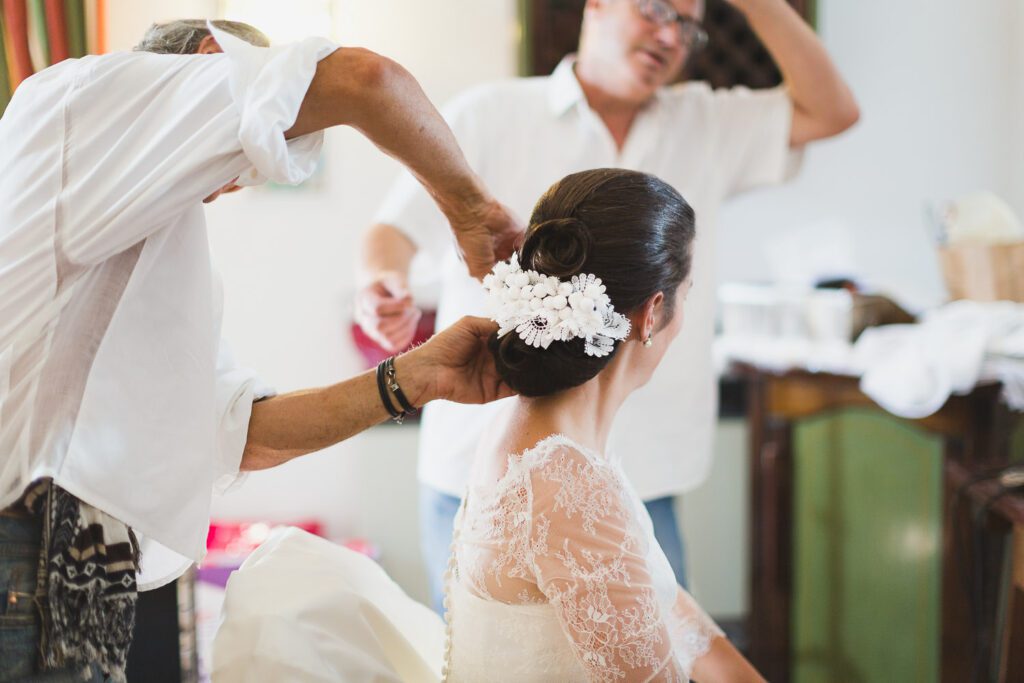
column 610, row 105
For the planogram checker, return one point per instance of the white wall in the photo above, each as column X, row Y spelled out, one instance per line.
column 937, row 83
column 127, row 20
column 1016, row 84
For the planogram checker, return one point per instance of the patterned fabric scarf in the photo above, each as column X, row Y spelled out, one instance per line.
column 88, row 564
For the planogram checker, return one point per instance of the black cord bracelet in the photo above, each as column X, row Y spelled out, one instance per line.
column 382, row 388
column 397, row 390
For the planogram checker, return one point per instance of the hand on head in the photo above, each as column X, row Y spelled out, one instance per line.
column 459, row 363
column 486, row 235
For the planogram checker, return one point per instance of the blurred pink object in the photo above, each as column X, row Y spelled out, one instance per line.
column 363, row 547
column 241, row 538
column 373, row 354
column 229, row 543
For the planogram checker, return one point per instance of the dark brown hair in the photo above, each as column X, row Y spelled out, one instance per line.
column 630, row 229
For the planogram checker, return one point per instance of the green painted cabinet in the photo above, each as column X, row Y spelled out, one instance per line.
column 867, row 543
column 855, row 570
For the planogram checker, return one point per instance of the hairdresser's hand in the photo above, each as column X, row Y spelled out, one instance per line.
column 455, row 365
column 485, row 233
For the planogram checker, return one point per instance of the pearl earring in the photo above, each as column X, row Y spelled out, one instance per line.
column 647, row 342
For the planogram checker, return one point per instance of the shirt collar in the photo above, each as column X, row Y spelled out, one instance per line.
column 564, row 91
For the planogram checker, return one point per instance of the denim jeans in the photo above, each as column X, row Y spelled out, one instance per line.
column 20, row 543
column 437, row 517
column 668, row 535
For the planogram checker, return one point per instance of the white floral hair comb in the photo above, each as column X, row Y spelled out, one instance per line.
column 543, row 309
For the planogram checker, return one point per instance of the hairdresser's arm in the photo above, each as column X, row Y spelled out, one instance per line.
column 378, row 97
column 455, row 365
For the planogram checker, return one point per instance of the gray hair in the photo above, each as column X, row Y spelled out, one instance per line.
column 183, row 37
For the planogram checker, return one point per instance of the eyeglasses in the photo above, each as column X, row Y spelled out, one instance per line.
column 692, row 34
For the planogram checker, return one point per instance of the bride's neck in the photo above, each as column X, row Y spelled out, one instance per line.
column 583, row 413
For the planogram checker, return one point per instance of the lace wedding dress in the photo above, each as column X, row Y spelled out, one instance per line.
column 555, row 576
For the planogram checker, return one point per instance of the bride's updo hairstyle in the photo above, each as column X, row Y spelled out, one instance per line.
column 630, row 229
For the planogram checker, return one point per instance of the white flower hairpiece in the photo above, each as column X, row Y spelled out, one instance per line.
column 543, row 309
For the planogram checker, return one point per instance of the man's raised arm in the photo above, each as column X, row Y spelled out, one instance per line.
column 823, row 104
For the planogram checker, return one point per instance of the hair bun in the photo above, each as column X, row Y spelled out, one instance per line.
column 557, row 246
column 629, row 229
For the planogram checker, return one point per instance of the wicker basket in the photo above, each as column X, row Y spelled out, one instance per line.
column 984, row 272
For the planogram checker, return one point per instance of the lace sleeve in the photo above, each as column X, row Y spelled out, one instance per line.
column 589, row 560
column 692, row 630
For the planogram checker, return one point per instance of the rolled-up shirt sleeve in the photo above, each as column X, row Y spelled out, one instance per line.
column 237, row 389
column 147, row 136
column 267, row 87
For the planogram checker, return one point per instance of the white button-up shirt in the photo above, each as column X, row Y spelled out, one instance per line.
column 523, row 135
column 113, row 380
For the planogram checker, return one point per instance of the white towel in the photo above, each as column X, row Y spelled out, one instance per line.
column 911, row 370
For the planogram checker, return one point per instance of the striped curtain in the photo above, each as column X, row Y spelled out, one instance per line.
column 37, row 33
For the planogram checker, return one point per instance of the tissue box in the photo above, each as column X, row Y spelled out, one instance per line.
column 984, row 272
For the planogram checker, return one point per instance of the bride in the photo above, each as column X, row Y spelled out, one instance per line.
column 555, row 573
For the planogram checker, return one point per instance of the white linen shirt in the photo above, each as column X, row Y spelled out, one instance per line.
column 113, row 380
column 521, row 136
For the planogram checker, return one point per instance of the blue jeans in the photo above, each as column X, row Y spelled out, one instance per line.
column 437, row 517
column 668, row 535
column 20, row 545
